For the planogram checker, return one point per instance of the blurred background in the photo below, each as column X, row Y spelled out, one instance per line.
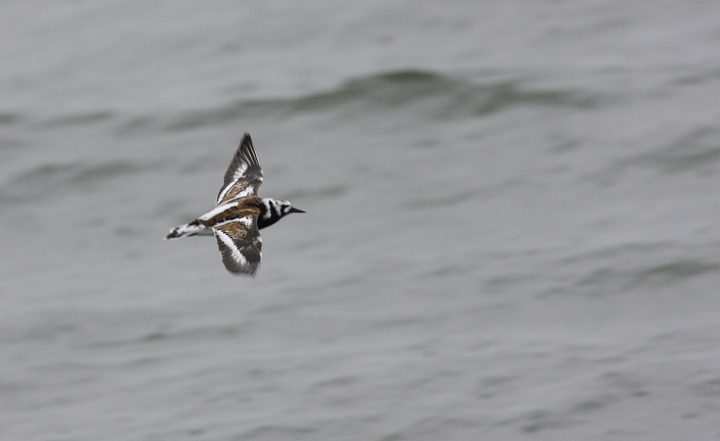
column 512, row 226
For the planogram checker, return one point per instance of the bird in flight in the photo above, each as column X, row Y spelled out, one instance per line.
column 239, row 213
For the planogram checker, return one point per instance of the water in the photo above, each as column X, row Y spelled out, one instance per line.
column 511, row 229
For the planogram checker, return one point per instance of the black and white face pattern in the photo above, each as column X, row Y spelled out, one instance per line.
column 272, row 210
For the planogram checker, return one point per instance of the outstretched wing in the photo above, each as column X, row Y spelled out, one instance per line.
column 244, row 175
column 240, row 244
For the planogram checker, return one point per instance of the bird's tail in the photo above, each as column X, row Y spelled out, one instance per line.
column 192, row 229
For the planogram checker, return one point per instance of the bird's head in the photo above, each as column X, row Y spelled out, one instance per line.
column 272, row 210
column 287, row 208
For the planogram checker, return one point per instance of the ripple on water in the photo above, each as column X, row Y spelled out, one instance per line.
column 49, row 180
column 425, row 93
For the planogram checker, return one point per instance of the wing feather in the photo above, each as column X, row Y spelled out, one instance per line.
column 244, row 175
column 240, row 245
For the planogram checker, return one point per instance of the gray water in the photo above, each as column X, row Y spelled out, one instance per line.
column 512, row 228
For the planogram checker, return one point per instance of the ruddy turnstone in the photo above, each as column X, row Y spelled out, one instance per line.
column 239, row 213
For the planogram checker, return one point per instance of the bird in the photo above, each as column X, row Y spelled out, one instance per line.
column 239, row 213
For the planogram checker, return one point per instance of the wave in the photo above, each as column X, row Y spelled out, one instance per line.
column 81, row 118
column 49, row 180
column 692, row 150
column 626, row 267
column 430, row 94
column 8, row 118
column 425, row 93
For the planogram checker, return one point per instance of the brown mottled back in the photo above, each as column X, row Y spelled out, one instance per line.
column 246, row 206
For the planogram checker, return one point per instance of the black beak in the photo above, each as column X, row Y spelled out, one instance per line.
column 295, row 210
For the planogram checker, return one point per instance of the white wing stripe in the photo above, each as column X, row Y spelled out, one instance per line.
column 227, row 189
column 247, row 221
column 240, row 171
column 217, row 210
column 236, row 254
column 237, row 175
